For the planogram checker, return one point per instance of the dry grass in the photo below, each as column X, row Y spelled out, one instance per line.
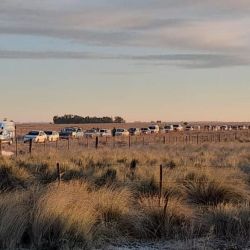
column 100, row 199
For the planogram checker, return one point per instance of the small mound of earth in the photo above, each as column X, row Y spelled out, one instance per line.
column 7, row 153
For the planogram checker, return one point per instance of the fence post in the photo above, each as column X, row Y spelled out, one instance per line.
column 56, row 144
column 129, row 141
column 160, row 187
column 30, row 146
column 96, row 142
column 164, row 139
column 58, row 172
column 68, row 143
column 143, row 142
column 0, row 147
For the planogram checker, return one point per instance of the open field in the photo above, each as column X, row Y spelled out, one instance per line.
column 71, row 199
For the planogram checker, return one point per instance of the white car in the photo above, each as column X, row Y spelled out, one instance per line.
column 155, row 129
column 79, row 133
column 178, row 127
column 91, row 133
column 121, row 132
column 134, row 131
column 224, row 127
column 168, row 128
column 189, row 128
column 105, row 132
column 7, row 132
column 35, row 136
column 145, row 131
column 52, row 135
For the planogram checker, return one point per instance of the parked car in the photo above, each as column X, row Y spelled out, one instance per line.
column 79, row 132
column 7, row 132
column 134, row 131
column 209, row 127
column 168, row 128
column 197, row 127
column 155, row 129
column 145, row 131
column 105, row 132
column 52, row 135
column 91, row 133
column 189, row 128
column 121, row 132
column 71, row 132
column 35, row 136
column 242, row 127
column 178, row 127
column 224, row 127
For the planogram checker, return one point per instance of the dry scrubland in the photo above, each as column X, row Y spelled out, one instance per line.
column 100, row 201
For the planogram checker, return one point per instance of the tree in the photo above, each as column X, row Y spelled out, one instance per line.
column 119, row 119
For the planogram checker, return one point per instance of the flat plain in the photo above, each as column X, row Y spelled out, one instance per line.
column 156, row 196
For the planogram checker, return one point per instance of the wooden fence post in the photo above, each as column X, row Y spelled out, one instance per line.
column 160, row 186
column 0, row 147
column 164, row 139
column 58, row 172
column 30, row 146
column 129, row 141
column 68, row 144
column 96, row 142
column 143, row 141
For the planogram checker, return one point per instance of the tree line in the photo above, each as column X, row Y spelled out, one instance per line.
column 75, row 119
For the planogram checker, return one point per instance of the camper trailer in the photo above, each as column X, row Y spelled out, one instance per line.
column 7, row 132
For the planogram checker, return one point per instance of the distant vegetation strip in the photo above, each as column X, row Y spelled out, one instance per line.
column 75, row 119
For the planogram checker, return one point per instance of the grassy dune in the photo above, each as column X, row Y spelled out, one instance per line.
column 101, row 200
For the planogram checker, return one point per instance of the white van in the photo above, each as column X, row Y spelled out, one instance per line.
column 155, row 129
column 7, row 132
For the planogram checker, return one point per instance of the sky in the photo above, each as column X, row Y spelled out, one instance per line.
column 145, row 60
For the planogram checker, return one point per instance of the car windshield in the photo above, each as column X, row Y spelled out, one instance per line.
column 152, row 127
column 33, row 133
column 48, row 132
column 176, row 126
column 167, row 127
column 120, row 130
column 132, row 129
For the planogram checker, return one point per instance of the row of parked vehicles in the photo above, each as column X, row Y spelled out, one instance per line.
column 7, row 131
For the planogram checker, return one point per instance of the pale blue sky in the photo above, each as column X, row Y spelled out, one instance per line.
column 143, row 59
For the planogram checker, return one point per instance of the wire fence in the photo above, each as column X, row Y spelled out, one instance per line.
column 178, row 138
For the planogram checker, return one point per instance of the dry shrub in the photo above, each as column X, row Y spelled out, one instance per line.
column 64, row 212
column 12, row 177
column 15, row 218
column 205, row 189
column 172, row 221
column 112, row 204
column 230, row 221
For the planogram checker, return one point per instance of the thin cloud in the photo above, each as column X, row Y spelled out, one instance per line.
column 180, row 60
column 199, row 27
